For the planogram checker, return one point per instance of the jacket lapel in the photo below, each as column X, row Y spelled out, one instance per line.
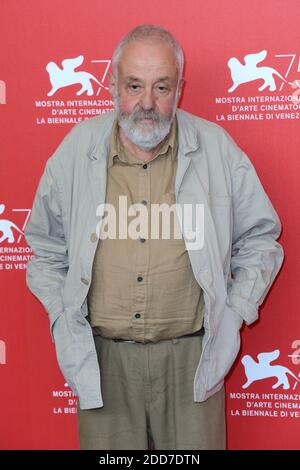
column 97, row 174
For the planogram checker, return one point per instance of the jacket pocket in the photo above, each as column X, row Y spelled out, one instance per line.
column 225, row 345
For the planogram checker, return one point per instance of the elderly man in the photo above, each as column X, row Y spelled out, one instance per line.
column 146, row 327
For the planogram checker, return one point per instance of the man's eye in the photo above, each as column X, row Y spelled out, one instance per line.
column 134, row 87
column 162, row 89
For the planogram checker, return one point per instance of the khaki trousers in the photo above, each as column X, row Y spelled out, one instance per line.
column 147, row 391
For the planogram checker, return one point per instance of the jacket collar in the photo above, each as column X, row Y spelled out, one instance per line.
column 188, row 137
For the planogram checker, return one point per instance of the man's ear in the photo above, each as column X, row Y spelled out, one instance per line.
column 181, row 84
column 111, row 84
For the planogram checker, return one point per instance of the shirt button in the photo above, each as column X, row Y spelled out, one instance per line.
column 142, row 240
column 144, row 202
column 94, row 237
column 85, row 281
column 140, row 278
column 137, row 315
column 145, row 166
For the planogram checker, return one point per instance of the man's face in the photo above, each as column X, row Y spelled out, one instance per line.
column 147, row 92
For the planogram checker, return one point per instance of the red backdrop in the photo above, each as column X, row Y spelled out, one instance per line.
column 37, row 408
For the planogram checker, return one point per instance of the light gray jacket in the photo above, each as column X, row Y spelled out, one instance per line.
column 235, row 267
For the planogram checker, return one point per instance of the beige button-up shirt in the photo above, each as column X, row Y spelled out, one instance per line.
column 143, row 289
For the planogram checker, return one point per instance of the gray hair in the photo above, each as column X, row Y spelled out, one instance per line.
column 146, row 32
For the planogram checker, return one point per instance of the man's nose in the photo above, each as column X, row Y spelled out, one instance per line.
column 148, row 99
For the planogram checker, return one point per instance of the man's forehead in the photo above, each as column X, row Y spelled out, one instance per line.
column 139, row 64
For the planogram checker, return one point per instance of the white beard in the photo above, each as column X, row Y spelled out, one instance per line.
column 145, row 135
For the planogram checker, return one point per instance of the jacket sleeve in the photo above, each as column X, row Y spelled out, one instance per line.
column 256, row 255
column 47, row 270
